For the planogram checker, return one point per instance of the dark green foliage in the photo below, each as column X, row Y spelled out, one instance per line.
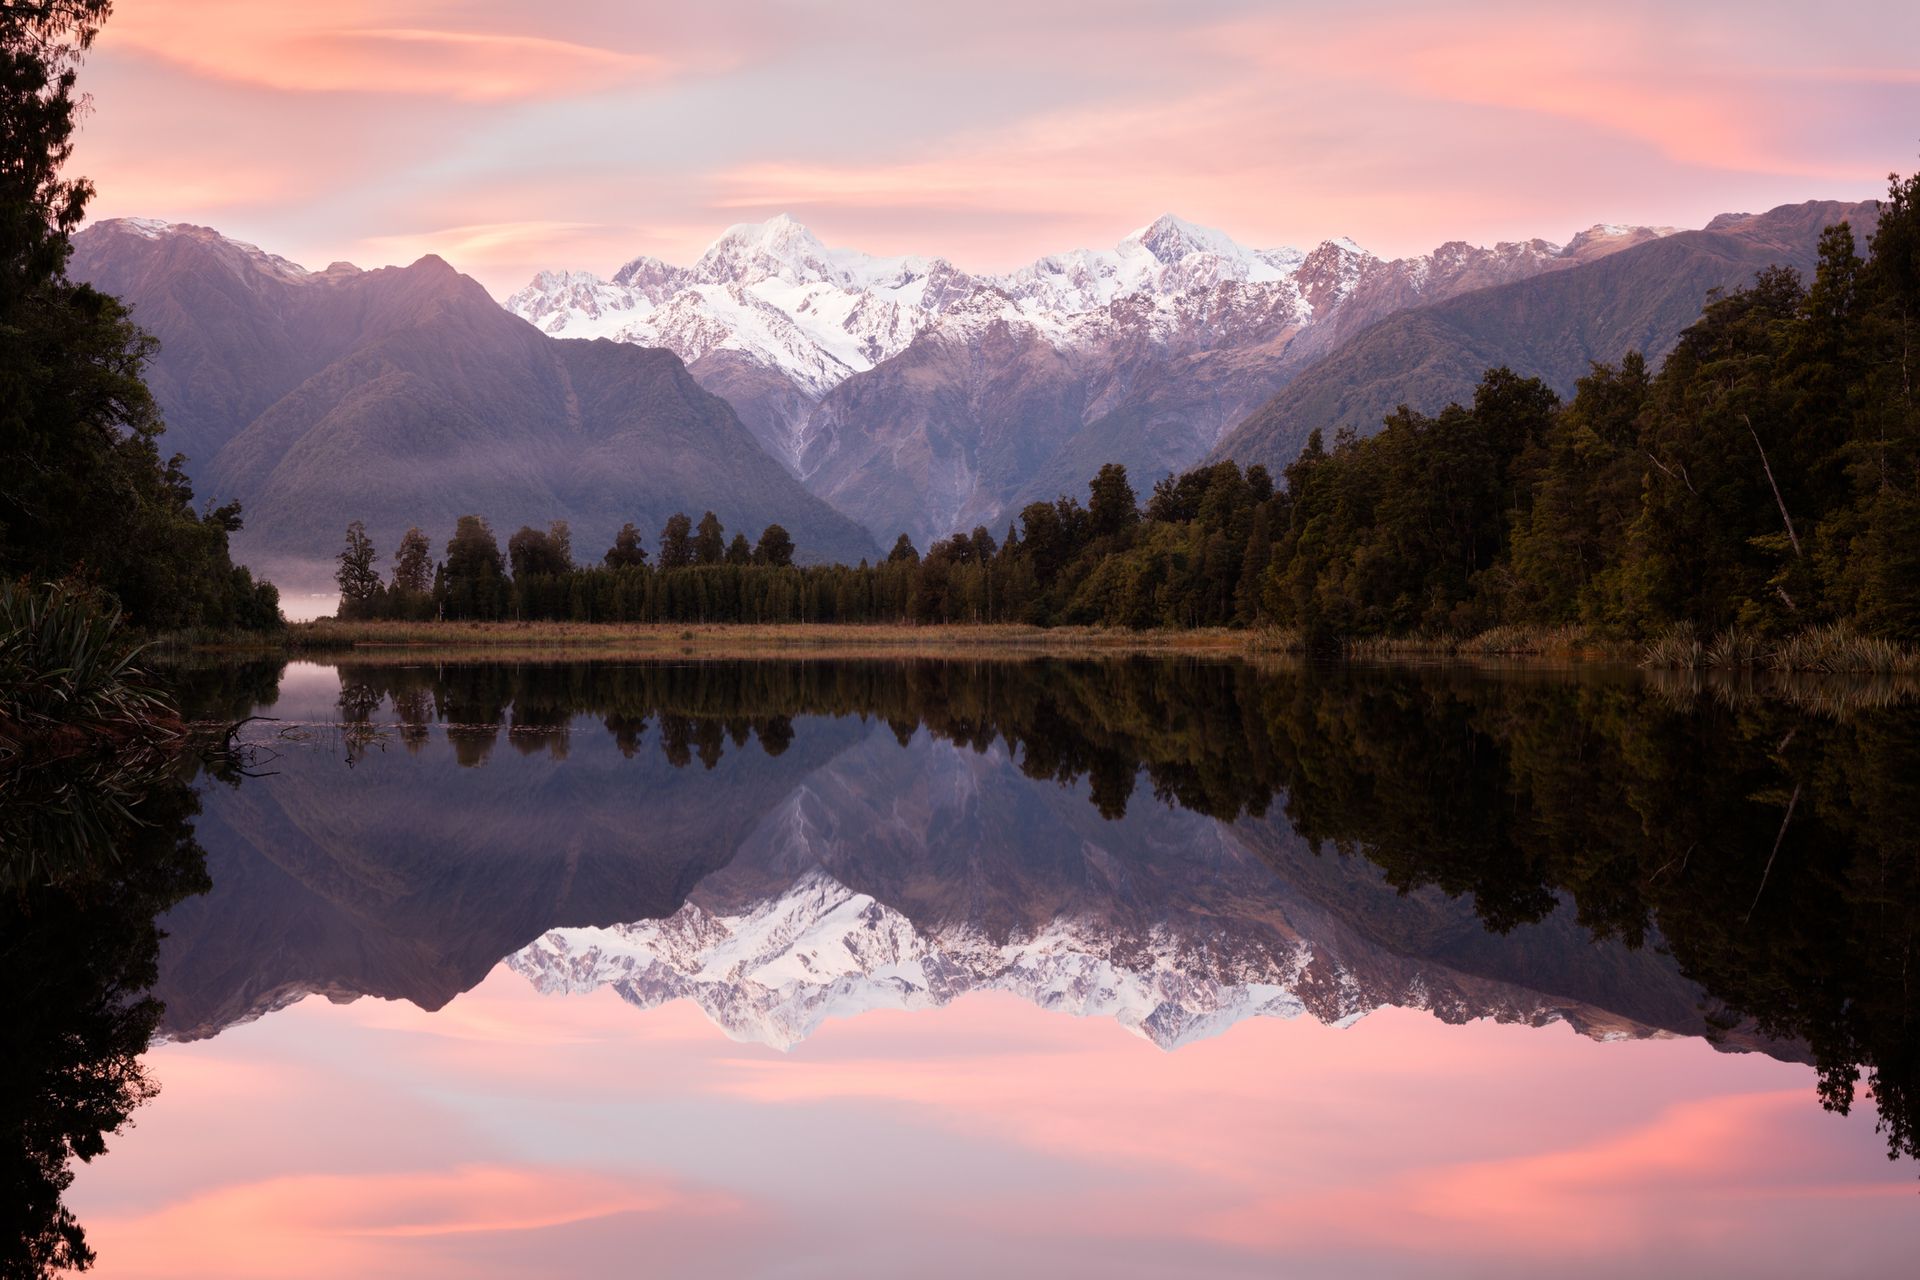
column 358, row 576
column 85, row 491
column 473, row 582
column 676, row 542
column 709, row 540
column 413, row 564
column 626, row 551
column 65, row 669
column 1112, row 508
column 532, row 552
column 775, row 548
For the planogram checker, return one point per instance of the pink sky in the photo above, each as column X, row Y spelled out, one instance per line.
column 577, row 133
column 513, row 1134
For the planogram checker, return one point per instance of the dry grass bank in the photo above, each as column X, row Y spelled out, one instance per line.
column 1552, row 645
column 738, row 640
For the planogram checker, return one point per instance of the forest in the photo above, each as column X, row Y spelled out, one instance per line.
column 1765, row 480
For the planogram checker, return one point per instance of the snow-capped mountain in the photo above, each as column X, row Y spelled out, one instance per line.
column 768, row 290
column 774, row 973
column 904, row 878
column 1144, row 353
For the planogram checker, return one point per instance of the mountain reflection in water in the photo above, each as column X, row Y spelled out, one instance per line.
column 1174, row 844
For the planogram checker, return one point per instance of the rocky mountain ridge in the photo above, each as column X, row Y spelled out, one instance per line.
column 1145, row 353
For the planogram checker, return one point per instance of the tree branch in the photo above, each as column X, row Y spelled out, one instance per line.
column 1792, row 537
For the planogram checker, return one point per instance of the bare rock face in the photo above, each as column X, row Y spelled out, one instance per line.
column 407, row 396
column 919, row 398
column 1623, row 289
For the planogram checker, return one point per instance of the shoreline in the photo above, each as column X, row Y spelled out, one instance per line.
column 384, row 638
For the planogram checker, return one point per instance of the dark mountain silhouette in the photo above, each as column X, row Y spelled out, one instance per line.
column 1551, row 326
column 408, row 396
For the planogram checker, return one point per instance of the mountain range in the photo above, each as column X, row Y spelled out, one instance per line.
column 921, row 398
column 846, row 396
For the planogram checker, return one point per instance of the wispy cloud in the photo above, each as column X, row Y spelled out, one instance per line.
column 345, row 47
column 581, row 132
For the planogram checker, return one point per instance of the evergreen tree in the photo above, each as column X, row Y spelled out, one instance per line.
column 626, row 551
column 535, row 554
column 1112, row 508
column 709, row 542
column 739, row 553
column 676, row 542
column 473, row 581
column 903, row 551
column 413, row 564
column 775, row 548
column 560, row 538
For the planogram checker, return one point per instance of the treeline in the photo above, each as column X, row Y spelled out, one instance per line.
column 1767, row 478
column 87, row 497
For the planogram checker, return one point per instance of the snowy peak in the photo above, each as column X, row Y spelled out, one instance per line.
column 777, row 249
column 774, row 319
column 1174, row 240
column 784, row 251
column 774, row 972
column 1169, row 239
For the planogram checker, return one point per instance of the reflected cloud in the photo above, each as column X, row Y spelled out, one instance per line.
column 1698, row 1169
column 318, row 1224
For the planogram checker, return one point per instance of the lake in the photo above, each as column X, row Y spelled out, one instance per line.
column 1120, row 967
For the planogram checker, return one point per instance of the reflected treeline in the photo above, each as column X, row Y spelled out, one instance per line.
column 1773, row 849
column 95, row 850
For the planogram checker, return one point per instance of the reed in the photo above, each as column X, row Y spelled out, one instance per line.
column 1677, row 646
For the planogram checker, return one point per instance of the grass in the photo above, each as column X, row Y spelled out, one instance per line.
column 67, row 677
column 1828, row 650
column 327, row 635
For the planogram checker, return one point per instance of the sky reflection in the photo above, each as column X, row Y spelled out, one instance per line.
column 512, row 1133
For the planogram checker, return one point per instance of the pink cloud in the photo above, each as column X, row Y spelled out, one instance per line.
column 581, row 132
column 357, row 46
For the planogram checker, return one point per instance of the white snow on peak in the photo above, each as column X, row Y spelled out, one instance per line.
column 769, row 290
column 774, row 972
column 773, row 292
column 146, row 228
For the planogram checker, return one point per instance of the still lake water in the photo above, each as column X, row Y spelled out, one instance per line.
column 1117, row 968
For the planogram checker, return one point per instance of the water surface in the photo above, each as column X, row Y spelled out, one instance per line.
column 1132, row 967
